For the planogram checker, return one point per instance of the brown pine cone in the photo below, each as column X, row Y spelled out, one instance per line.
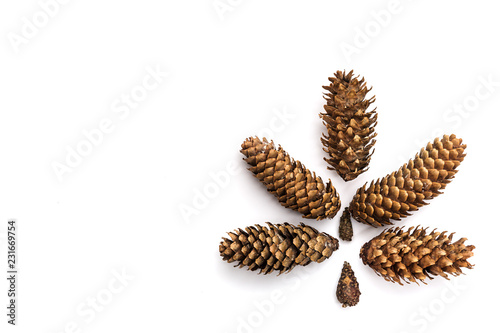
column 345, row 226
column 350, row 127
column 399, row 193
column 290, row 181
column 280, row 247
column 398, row 255
column 348, row 287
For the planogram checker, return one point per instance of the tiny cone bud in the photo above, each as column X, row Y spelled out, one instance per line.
column 348, row 288
column 345, row 228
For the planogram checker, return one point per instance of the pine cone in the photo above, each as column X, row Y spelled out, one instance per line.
column 290, row 181
column 351, row 129
column 280, row 247
column 345, row 226
column 403, row 191
column 398, row 255
column 348, row 288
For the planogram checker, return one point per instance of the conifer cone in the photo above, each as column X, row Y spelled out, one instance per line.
column 350, row 127
column 345, row 226
column 403, row 191
column 290, row 181
column 348, row 288
column 398, row 255
column 278, row 247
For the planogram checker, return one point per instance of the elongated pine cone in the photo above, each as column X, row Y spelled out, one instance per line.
column 289, row 180
column 280, row 247
column 403, row 191
column 398, row 255
column 351, row 128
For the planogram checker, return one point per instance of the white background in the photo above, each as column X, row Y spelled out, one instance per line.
column 230, row 72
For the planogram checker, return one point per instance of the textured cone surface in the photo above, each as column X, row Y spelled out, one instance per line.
column 350, row 127
column 345, row 227
column 348, row 288
column 398, row 255
column 278, row 247
column 403, row 191
column 294, row 185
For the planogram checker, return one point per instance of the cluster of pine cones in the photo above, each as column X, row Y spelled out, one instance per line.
column 396, row 254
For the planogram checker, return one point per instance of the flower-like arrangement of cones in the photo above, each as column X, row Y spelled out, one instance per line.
column 396, row 254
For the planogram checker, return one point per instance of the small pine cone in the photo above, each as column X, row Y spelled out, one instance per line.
column 403, row 191
column 398, row 255
column 345, row 227
column 290, row 181
column 280, row 247
column 351, row 128
column 348, row 288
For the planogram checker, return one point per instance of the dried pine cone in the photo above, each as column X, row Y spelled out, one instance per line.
column 348, row 288
column 399, row 193
column 280, row 247
column 351, row 128
column 345, row 227
column 294, row 185
column 398, row 255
